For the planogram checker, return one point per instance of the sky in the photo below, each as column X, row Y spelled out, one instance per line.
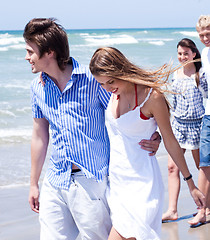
column 92, row 14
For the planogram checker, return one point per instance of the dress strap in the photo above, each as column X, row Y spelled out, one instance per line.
column 147, row 97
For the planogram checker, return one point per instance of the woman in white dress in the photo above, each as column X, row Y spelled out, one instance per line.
column 136, row 107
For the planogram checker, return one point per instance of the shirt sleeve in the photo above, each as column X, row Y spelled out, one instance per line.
column 104, row 96
column 203, row 86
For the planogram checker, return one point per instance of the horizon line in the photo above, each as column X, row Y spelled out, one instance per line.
column 117, row 28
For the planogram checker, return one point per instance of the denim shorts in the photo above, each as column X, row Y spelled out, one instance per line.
column 205, row 142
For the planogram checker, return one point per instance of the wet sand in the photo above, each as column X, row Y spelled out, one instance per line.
column 180, row 229
column 18, row 222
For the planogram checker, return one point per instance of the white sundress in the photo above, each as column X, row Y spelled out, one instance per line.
column 135, row 191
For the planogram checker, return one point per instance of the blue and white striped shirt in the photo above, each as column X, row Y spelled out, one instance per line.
column 77, row 120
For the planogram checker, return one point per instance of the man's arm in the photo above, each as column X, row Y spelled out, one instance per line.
column 151, row 145
column 39, row 145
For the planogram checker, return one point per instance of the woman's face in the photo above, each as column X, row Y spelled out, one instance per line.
column 185, row 54
column 111, row 85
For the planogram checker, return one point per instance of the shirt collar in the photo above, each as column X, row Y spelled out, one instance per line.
column 77, row 69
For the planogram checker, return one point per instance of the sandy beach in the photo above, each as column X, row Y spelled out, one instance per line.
column 180, row 229
column 17, row 221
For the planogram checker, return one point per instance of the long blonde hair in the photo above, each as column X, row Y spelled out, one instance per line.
column 110, row 62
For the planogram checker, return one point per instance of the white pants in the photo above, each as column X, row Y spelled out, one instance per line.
column 78, row 213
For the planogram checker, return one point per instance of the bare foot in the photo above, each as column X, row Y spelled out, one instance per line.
column 169, row 215
column 207, row 211
column 200, row 217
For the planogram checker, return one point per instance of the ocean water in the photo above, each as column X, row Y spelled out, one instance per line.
column 147, row 48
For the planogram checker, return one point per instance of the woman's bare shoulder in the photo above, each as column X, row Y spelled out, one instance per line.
column 157, row 96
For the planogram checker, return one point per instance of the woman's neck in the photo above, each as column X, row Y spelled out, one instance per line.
column 188, row 70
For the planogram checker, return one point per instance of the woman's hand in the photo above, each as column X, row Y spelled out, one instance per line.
column 197, row 195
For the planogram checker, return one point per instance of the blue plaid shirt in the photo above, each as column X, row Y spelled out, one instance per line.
column 188, row 103
column 77, row 121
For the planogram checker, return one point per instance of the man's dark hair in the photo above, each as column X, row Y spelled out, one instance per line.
column 48, row 36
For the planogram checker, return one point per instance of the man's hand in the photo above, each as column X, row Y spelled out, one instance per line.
column 34, row 198
column 151, row 145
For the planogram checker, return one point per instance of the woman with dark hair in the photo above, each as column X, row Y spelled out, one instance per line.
column 189, row 84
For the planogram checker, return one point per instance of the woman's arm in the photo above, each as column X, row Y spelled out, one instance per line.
column 159, row 109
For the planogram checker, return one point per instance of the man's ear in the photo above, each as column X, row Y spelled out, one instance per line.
column 51, row 53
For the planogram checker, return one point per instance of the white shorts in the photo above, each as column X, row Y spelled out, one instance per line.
column 78, row 213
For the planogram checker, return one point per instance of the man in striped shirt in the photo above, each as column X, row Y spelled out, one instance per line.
column 72, row 104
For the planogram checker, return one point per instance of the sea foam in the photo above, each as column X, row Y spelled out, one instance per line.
column 14, row 135
column 101, row 40
column 156, row 41
column 188, row 33
column 11, row 40
column 8, row 41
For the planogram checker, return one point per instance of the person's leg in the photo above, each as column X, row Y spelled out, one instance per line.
column 208, row 200
column 205, row 157
column 173, row 190
column 114, row 235
column 204, row 172
column 203, row 185
column 89, row 208
column 55, row 218
column 196, row 157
